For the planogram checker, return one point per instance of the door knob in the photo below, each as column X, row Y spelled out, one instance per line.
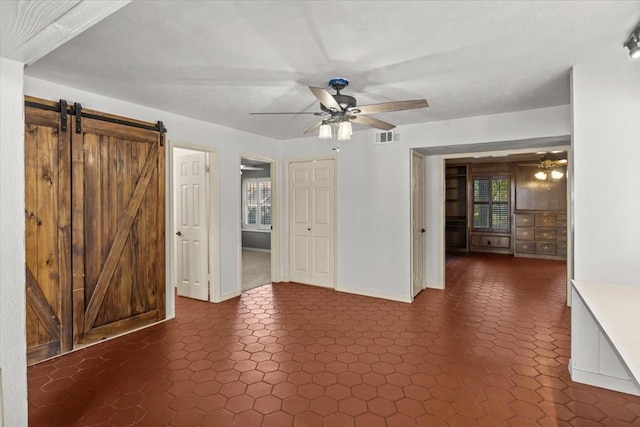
column 423, row 230
column 308, row 229
column 179, row 233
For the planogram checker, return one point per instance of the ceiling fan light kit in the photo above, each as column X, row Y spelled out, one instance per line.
column 344, row 131
column 342, row 110
column 550, row 167
column 325, row 131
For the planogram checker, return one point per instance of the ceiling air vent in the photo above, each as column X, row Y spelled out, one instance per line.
column 386, row 137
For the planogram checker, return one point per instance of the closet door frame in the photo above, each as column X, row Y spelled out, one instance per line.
column 288, row 219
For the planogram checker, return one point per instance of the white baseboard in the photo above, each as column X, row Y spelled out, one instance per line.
column 435, row 285
column 368, row 293
column 230, row 295
column 256, row 250
column 604, row 381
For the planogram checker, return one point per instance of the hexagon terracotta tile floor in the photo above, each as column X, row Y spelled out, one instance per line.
column 490, row 350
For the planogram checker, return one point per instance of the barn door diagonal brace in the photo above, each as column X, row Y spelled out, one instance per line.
column 124, row 228
column 41, row 307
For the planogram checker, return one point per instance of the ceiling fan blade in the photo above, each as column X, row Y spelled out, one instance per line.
column 392, row 106
column 314, row 128
column 372, row 122
column 325, row 98
column 317, row 113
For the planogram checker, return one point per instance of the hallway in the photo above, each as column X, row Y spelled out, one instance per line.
column 490, row 350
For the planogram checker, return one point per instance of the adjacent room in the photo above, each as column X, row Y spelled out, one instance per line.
column 308, row 213
column 256, row 223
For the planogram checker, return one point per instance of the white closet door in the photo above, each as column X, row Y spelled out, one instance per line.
column 312, row 222
column 192, row 233
column 418, row 230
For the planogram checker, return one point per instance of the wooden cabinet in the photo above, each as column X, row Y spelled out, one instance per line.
column 490, row 193
column 541, row 235
column 486, row 242
column 456, row 208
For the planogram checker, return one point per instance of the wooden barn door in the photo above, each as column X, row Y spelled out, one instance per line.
column 118, row 199
column 47, row 234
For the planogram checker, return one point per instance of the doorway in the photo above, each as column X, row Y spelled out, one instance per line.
column 417, row 223
column 194, row 220
column 257, row 221
column 436, row 193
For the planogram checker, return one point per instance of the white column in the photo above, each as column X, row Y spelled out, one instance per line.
column 606, row 156
column 13, row 346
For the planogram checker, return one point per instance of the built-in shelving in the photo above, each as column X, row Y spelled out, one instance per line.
column 456, row 208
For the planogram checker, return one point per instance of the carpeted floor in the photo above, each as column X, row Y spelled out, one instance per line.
column 256, row 269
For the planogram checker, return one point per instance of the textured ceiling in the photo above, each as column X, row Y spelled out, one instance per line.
column 219, row 61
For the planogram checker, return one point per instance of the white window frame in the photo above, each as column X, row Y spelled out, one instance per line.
column 245, row 210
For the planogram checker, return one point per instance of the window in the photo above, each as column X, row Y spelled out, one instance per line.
column 491, row 204
column 256, row 212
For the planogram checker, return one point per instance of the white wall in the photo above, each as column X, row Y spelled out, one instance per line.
column 228, row 143
column 374, row 193
column 13, row 346
column 606, row 150
column 606, row 155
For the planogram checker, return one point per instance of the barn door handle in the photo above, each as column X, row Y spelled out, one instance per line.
column 179, row 233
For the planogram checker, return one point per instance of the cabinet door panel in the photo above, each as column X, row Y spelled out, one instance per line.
column 526, row 233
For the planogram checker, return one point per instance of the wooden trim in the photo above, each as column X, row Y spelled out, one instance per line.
column 161, row 238
column 95, row 126
column 77, row 232
column 43, row 351
column 41, row 307
column 125, row 224
column 64, row 238
column 123, row 119
column 41, row 101
column 108, row 330
column 95, row 115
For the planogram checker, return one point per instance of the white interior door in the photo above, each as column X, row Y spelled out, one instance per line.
column 418, row 222
column 312, row 222
column 191, row 226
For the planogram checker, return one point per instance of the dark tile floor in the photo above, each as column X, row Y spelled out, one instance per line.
column 490, row 350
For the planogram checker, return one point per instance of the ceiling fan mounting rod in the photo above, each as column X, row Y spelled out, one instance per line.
column 338, row 84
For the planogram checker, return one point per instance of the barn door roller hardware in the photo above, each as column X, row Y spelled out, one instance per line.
column 63, row 115
column 162, row 131
column 77, row 110
column 62, row 107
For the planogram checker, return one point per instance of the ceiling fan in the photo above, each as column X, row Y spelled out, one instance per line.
column 550, row 166
column 550, row 160
column 342, row 109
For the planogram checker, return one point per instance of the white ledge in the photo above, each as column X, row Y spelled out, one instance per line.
column 616, row 309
